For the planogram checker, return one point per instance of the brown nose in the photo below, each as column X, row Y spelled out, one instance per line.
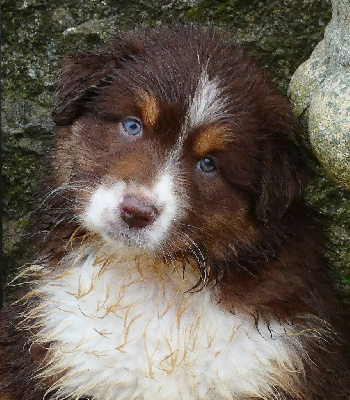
column 137, row 212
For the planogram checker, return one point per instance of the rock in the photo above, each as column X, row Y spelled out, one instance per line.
column 320, row 93
column 329, row 126
column 337, row 37
column 307, row 78
column 320, row 90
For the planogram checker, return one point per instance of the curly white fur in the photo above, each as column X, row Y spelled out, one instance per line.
column 122, row 329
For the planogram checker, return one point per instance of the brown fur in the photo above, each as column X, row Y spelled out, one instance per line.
column 263, row 245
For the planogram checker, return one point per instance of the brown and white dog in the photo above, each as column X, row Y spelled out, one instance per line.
column 177, row 262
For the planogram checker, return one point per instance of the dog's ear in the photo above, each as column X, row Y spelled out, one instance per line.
column 80, row 73
column 83, row 73
column 281, row 170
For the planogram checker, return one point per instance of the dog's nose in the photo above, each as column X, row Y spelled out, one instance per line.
column 137, row 212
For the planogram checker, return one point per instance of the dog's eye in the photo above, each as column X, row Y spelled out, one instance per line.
column 132, row 126
column 206, row 164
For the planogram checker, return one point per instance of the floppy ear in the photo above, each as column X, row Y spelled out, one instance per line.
column 282, row 173
column 83, row 73
column 80, row 73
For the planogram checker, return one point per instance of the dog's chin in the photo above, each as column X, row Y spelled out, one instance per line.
column 134, row 240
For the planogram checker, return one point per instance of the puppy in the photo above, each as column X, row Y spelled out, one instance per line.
column 176, row 261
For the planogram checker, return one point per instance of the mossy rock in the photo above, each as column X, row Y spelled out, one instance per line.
column 329, row 126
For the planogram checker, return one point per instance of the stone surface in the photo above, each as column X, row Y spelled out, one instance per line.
column 319, row 92
column 307, row 78
column 337, row 37
column 329, row 126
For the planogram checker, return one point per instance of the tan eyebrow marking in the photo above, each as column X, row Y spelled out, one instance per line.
column 213, row 138
column 149, row 108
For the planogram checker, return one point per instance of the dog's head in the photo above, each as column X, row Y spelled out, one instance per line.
column 171, row 140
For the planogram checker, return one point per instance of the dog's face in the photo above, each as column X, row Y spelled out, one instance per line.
column 173, row 141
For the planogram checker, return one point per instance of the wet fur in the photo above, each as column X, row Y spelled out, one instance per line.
column 235, row 247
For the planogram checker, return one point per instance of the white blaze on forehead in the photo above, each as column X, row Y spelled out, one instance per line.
column 207, row 103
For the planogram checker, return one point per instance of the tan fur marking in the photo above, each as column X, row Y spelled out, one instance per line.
column 149, row 108
column 213, row 138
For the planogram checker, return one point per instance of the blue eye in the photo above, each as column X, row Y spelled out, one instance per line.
column 206, row 164
column 132, row 126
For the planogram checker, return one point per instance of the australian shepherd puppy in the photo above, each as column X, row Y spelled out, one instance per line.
column 176, row 262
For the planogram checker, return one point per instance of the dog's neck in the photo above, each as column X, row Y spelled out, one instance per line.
column 127, row 327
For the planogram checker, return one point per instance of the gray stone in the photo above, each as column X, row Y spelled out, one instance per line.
column 337, row 37
column 306, row 79
column 329, row 126
column 319, row 89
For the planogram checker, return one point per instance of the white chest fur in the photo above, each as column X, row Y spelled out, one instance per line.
column 117, row 334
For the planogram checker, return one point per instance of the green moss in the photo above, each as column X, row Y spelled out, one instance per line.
column 333, row 203
column 280, row 34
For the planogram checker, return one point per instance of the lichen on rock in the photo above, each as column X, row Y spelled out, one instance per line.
column 329, row 126
column 320, row 89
